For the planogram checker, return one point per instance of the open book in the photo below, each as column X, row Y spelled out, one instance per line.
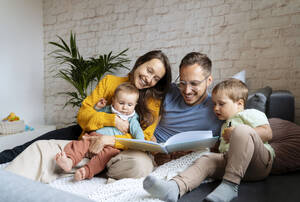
column 185, row 141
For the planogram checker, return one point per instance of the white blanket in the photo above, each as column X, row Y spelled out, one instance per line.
column 126, row 189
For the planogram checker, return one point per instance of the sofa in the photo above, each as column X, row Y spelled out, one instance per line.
column 280, row 187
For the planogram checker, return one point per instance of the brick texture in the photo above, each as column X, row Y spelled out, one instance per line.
column 260, row 36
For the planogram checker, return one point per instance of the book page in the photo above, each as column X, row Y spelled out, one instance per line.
column 142, row 145
column 192, row 146
column 189, row 136
column 190, row 141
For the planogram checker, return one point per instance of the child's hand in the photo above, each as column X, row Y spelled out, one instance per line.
column 101, row 103
column 227, row 133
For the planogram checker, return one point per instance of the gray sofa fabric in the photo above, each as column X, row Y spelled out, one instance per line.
column 14, row 188
column 258, row 100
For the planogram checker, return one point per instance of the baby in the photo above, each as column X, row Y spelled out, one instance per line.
column 123, row 105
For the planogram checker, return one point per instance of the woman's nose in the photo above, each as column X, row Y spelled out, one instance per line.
column 149, row 79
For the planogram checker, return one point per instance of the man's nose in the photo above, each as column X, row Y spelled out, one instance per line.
column 187, row 89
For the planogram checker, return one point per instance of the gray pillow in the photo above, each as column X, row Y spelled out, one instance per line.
column 258, row 100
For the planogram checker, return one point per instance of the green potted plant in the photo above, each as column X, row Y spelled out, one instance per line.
column 82, row 73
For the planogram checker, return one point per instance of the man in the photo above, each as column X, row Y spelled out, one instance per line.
column 188, row 106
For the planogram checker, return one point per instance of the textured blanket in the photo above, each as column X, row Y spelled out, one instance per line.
column 126, row 189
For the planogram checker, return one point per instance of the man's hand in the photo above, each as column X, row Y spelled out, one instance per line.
column 227, row 133
column 122, row 125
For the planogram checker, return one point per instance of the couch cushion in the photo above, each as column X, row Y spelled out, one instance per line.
column 258, row 100
column 286, row 144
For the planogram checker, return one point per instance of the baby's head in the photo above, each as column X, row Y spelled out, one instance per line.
column 125, row 98
column 229, row 98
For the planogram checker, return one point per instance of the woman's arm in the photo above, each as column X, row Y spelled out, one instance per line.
column 97, row 143
column 88, row 118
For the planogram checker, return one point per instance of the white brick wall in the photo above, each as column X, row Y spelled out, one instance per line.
column 261, row 36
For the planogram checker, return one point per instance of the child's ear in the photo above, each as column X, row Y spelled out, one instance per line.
column 241, row 103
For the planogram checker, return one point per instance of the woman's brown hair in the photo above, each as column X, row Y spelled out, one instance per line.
column 157, row 92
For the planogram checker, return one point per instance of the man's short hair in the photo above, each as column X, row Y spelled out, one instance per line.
column 235, row 89
column 197, row 58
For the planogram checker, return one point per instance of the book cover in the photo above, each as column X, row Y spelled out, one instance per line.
column 185, row 141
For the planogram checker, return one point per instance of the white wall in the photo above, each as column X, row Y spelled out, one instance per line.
column 21, row 60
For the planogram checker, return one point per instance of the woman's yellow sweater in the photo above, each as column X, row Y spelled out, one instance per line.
column 89, row 119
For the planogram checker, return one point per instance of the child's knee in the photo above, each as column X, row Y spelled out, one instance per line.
column 242, row 131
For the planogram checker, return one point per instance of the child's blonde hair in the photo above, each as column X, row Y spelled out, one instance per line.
column 235, row 89
column 128, row 88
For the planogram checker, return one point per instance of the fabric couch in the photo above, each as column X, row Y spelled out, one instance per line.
column 283, row 184
column 282, row 187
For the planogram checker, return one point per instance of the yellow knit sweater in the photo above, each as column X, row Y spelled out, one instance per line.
column 89, row 119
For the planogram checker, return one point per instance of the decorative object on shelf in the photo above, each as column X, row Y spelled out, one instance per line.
column 11, row 117
column 28, row 128
column 82, row 73
column 11, row 124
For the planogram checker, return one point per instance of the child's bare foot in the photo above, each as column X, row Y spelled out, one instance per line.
column 63, row 161
column 80, row 174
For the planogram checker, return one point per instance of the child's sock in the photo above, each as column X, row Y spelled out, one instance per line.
column 164, row 190
column 225, row 192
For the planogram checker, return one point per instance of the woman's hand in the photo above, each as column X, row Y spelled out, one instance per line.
column 122, row 125
column 227, row 133
column 153, row 139
column 98, row 142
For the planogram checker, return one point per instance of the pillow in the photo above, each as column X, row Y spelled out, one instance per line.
column 286, row 144
column 258, row 100
column 240, row 76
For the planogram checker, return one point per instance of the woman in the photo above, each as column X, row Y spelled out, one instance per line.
column 151, row 74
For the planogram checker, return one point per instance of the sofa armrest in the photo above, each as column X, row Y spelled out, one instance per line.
column 281, row 104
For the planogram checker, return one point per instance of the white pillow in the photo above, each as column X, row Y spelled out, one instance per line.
column 241, row 76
